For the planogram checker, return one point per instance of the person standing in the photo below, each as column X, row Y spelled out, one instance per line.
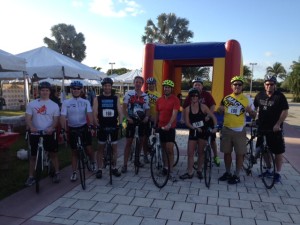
column 153, row 95
column 234, row 107
column 107, row 111
column 42, row 114
column 206, row 99
column 135, row 104
column 167, row 108
column 195, row 121
column 273, row 109
column 76, row 110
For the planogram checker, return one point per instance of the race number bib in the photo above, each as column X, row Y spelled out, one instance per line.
column 108, row 113
column 198, row 124
column 234, row 110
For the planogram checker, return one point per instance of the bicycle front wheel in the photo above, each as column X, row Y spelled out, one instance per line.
column 81, row 168
column 137, row 157
column 248, row 158
column 159, row 173
column 207, row 166
column 110, row 161
column 38, row 170
column 176, row 153
column 267, row 168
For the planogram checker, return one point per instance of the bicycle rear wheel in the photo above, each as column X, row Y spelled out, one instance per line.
column 207, row 166
column 159, row 175
column 110, row 161
column 38, row 170
column 176, row 153
column 136, row 156
column 81, row 168
column 267, row 168
column 248, row 158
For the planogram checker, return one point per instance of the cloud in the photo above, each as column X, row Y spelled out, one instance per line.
column 118, row 9
column 268, row 54
column 77, row 4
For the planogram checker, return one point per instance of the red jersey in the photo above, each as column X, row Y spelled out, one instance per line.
column 205, row 98
column 165, row 107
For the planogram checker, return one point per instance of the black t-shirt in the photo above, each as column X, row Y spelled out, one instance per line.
column 108, row 110
column 270, row 108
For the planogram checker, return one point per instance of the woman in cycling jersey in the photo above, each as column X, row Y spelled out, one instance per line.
column 195, row 115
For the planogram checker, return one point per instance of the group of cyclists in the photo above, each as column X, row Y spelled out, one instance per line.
column 158, row 112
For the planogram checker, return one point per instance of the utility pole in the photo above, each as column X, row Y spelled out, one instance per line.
column 252, row 64
column 112, row 65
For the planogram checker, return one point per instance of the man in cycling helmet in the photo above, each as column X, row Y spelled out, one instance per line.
column 153, row 95
column 167, row 108
column 107, row 113
column 42, row 114
column 206, row 99
column 76, row 110
column 273, row 110
column 135, row 100
column 234, row 107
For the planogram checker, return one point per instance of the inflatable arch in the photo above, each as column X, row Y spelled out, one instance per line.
column 166, row 61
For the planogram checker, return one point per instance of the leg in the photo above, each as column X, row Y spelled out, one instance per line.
column 191, row 151
column 278, row 162
column 100, row 156
column 74, row 157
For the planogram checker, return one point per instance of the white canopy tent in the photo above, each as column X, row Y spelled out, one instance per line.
column 46, row 63
column 12, row 67
column 127, row 78
column 9, row 62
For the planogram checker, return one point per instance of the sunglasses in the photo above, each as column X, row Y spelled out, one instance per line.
column 237, row 84
column 76, row 88
column 268, row 84
column 194, row 95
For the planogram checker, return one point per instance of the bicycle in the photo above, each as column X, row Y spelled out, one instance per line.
column 175, row 150
column 267, row 161
column 83, row 160
column 42, row 160
column 249, row 158
column 135, row 146
column 159, row 158
column 108, row 159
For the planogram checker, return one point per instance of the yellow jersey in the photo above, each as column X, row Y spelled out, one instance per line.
column 235, row 110
column 153, row 96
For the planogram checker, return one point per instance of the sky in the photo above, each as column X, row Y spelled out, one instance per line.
column 267, row 30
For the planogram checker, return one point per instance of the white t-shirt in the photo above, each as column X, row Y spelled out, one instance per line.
column 42, row 112
column 75, row 110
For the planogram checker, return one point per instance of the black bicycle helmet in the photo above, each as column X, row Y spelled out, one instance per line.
column 107, row 80
column 270, row 78
column 193, row 91
column 151, row 80
column 139, row 114
column 76, row 83
column 44, row 84
column 197, row 79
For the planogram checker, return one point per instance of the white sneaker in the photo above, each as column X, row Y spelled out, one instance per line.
column 73, row 176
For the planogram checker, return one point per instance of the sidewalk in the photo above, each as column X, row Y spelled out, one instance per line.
column 133, row 199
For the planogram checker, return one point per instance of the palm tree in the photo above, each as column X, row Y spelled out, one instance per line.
column 294, row 80
column 170, row 29
column 67, row 41
column 190, row 73
column 277, row 70
column 247, row 74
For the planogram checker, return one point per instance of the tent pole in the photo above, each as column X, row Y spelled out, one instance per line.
column 26, row 89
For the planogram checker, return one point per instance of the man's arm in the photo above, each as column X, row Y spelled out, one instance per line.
column 282, row 117
column 28, row 120
column 120, row 112
column 95, row 112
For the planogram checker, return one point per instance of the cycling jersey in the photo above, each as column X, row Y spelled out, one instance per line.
column 135, row 102
column 153, row 96
column 235, row 111
column 76, row 109
column 108, row 110
column 165, row 107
